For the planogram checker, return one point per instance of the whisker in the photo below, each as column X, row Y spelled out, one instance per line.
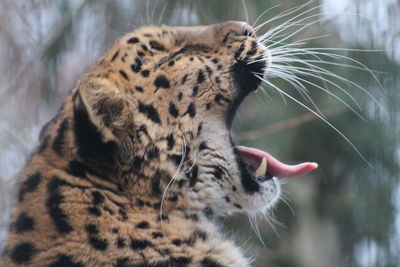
column 282, row 15
column 153, row 11
column 331, row 74
column 170, row 183
column 262, row 14
column 328, row 92
column 162, row 14
column 302, row 90
column 256, row 229
column 289, row 23
column 245, row 10
column 319, row 116
column 308, row 72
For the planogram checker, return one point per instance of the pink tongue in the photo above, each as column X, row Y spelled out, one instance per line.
column 253, row 157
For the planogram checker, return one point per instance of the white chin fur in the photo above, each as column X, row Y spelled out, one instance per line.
column 267, row 197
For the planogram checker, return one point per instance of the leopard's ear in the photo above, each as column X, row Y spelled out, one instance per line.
column 105, row 106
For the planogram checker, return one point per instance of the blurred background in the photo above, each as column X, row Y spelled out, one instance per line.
column 346, row 213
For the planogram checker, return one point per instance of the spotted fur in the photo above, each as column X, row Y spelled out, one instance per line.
column 139, row 161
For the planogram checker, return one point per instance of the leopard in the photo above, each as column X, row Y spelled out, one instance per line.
column 139, row 162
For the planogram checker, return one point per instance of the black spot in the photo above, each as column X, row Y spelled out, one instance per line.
column 115, row 230
column 162, row 81
column 155, row 185
column 44, row 143
column 29, row 185
column 203, row 145
column 184, row 79
column 137, row 162
column 163, row 217
column 219, row 98
column 124, row 57
column 227, row 199
column 115, row 55
column 139, row 89
column 92, row 229
column 217, row 80
column 200, row 77
column 98, row 197
column 144, row 47
column 145, row 73
column 237, row 205
column 199, row 128
column 124, row 75
column 156, row 206
column 150, row 111
column 137, row 66
column 173, row 110
column 122, row 212
column 240, row 50
column 226, row 37
column 182, row 261
column 77, row 169
column 177, row 242
column 133, row 40
column 24, row 223
column 59, row 140
column 209, row 70
column 180, row 96
column 60, row 219
column 215, row 60
column 157, row 234
column 195, row 90
column 98, row 243
column 124, row 262
column 193, row 176
column 171, row 63
column 143, row 225
column 200, row 234
column 65, row 261
column 175, row 158
column 23, row 253
column 191, row 110
column 156, row 45
column 220, row 67
column 193, row 216
column 174, row 198
column 140, row 244
column 170, row 141
column 153, row 153
column 217, row 172
column 207, row 262
column 120, row 242
column 94, row 211
column 208, row 212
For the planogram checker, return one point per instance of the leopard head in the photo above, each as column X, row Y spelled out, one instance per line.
column 155, row 115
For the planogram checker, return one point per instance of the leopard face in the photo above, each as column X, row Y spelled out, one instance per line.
column 166, row 98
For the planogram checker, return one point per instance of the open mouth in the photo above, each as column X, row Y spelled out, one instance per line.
column 262, row 166
column 258, row 166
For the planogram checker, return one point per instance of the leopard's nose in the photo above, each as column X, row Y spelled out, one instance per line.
column 233, row 28
column 247, row 30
